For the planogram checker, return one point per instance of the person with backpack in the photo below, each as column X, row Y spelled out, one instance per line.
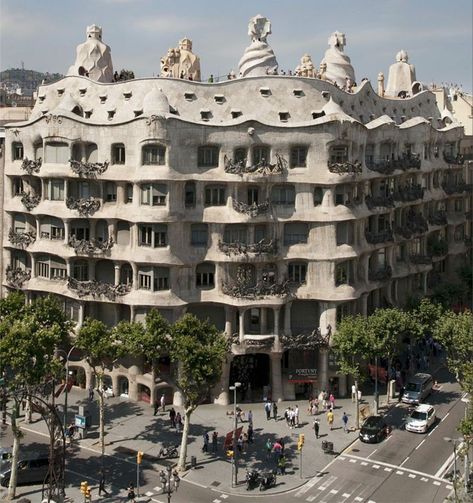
column 316, row 427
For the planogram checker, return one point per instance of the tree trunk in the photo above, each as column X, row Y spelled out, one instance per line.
column 388, row 378
column 15, row 451
column 357, row 405
column 28, row 411
column 101, row 415
column 181, row 466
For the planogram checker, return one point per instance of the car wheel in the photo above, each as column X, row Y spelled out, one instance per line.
column 5, row 482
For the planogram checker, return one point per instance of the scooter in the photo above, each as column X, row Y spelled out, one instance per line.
column 252, row 479
column 268, row 480
column 168, row 452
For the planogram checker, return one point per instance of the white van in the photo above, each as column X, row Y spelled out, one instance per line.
column 417, row 388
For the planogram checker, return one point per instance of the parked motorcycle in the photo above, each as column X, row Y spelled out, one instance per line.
column 252, row 479
column 169, row 451
column 268, row 480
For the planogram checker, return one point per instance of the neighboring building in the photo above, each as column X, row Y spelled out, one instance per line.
column 271, row 205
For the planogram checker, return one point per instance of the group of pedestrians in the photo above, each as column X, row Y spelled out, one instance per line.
column 276, row 451
column 271, row 409
column 291, row 415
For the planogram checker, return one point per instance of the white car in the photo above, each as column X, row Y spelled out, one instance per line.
column 421, row 419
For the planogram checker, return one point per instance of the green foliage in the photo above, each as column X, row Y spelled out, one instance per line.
column 426, row 314
column 12, row 305
column 465, row 274
column 455, row 332
column 98, row 343
column 449, row 294
column 200, row 350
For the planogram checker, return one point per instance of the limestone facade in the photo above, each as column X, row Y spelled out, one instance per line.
column 271, row 205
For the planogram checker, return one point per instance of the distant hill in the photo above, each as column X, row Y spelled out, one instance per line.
column 28, row 80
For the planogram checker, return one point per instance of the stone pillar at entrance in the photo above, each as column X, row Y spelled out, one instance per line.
column 220, row 392
column 276, row 377
column 342, row 385
column 132, row 384
column 241, row 319
column 323, row 368
column 287, row 318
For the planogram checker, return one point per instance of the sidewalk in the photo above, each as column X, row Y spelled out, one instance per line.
column 132, row 427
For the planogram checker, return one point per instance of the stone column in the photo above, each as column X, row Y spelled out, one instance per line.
column 287, row 319
column 92, row 228
column 276, row 377
column 276, row 326
column 136, row 194
column 67, row 230
column 133, row 371
column 68, row 267
column 241, row 324
column 115, row 388
column 264, row 320
column 132, row 313
column 121, row 193
column 342, row 385
column 364, row 304
column 91, row 265
column 112, row 229
column 117, row 274
column 81, row 314
column 134, row 267
column 33, row 265
column 323, row 368
column 38, row 227
column 424, row 282
column 229, row 317
column 220, row 392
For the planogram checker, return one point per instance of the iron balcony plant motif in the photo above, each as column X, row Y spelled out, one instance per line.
column 415, row 224
column 380, row 274
column 31, row 166
column 261, row 168
column 252, row 210
column 409, row 193
column 380, row 201
column 86, row 206
column 456, row 187
column 16, row 276
column 388, row 166
column 438, row 218
column 355, row 201
column 264, row 246
column 307, row 339
column 21, row 239
column 345, row 167
column 420, row 259
column 88, row 169
column 89, row 247
column 437, row 247
column 382, row 236
column 453, row 159
column 30, row 200
column 244, row 288
column 97, row 288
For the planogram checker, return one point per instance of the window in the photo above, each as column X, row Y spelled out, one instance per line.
column 17, row 186
column 215, row 195
column 189, row 195
column 265, row 92
column 80, row 270
column 283, row 195
column 57, row 152
column 235, row 233
column 199, row 234
column 260, row 155
column 118, row 153
column 236, row 114
column 459, row 234
column 401, row 253
column 153, row 235
column 344, row 233
column 252, row 195
column 154, row 155
column 154, row 194
column 318, row 196
column 128, row 193
column 284, row 116
column 260, row 232
column 295, row 233
column 51, row 228
column 110, row 192
column 298, row 157
column 145, row 279
column 339, row 195
column 50, row 267
column 458, row 205
column 204, row 275
column 55, row 190
column 344, row 273
column 207, row 157
column 240, row 155
column 161, row 278
column 296, row 272
column 42, row 269
column 339, row 153
column 205, row 115
column 80, row 229
column 17, row 151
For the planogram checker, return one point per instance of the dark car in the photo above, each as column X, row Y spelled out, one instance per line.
column 373, row 430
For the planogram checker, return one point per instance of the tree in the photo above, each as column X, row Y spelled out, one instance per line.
column 101, row 349
column 200, row 350
column 426, row 315
column 351, row 343
column 29, row 336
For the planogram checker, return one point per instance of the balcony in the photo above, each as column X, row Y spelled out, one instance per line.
column 420, row 259
column 21, row 239
column 387, row 166
column 437, row 248
column 30, row 200
column 252, row 210
column 415, row 224
column 345, row 167
column 97, row 289
column 88, row 169
column 86, row 207
column 354, row 202
column 306, row 339
column 381, row 201
column 30, row 166
column 242, row 290
column 261, row 247
column 261, row 168
column 456, row 187
column 90, row 247
column 380, row 274
column 16, row 276
column 438, row 218
column 453, row 159
column 408, row 193
column 375, row 238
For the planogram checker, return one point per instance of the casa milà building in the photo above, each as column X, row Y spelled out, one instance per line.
column 272, row 205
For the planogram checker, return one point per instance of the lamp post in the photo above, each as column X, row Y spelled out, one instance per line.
column 234, row 465
column 170, row 481
column 454, row 441
column 66, row 391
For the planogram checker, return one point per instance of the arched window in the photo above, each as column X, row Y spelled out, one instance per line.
column 154, row 155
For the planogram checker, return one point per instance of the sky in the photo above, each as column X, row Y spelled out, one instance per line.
column 437, row 34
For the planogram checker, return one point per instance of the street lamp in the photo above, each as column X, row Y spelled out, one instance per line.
column 66, row 390
column 455, row 441
column 235, row 419
column 169, row 481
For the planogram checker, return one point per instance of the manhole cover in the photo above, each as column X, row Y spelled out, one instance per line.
column 215, row 483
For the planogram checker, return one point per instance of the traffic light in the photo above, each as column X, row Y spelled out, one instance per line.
column 84, row 488
column 300, row 441
column 139, row 457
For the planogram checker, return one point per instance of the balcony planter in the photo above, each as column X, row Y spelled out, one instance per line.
column 21, row 239
column 252, row 210
column 29, row 200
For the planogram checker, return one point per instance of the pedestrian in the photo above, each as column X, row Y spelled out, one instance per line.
column 163, row 402
column 353, row 393
column 240, row 443
column 401, row 392
column 345, row 422
column 102, row 484
column 275, row 411
column 315, row 406
column 292, row 417
column 330, row 418
column 156, row 407
column 296, row 416
column 282, row 464
column 211, row 79
column 205, row 446
column 172, row 417
column 176, row 479
column 250, row 418
column 250, row 433
column 70, row 431
column 214, row 441
column 316, row 427
column 359, row 396
column 245, row 441
column 281, row 441
column 286, row 416
column 178, row 422
column 91, row 393
column 331, row 399
column 267, row 408
column 131, row 492
column 277, row 450
column 269, row 448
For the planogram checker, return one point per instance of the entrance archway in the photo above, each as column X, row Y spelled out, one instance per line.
column 253, row 371
column 123, row 386
column 144, row 393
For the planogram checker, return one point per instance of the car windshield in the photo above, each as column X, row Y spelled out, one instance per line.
column 372, row 425
column 419, row 415
column 413, row 386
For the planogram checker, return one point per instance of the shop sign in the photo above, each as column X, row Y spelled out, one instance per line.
column 302, row 375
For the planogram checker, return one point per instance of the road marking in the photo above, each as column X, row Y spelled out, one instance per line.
column 399, row 472
column 157, row 501
column 333, row 491
column 357, row 498
column 424, row 479
column 387, row 469
column 367, row 457
column 436, row 483
column 411, row 475
column 217, row 501
column 224, row 496
column 327, row 483
column 371, row 501
column 364, row 463
column 149, row 493
column 404, row 461
column 352, row 460
column 341, row 457
column 157, row 488
column 445, row 466
column 376, row 467
column 445, row 417
column 449, row 487
column 346, row 495
column 310, row 498
column 420, row 444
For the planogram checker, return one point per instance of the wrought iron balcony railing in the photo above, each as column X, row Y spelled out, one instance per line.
column 453, row 159
column 437, row 248
column 258, row 291
column 456, row 187
column 261, row 247
column 420, row 259
column 88, row 169
column 252, row 210
column 381, row 201
column 16, row 276
column 30, row 200
column 345, row 167
column 383, row 236
column 438, row 218
column 306, row 339
column 380, row 274
column 85, row 206
column 21, row 239
column 90, row 247
column 387, row 166
column 31, row 166
column 97, row 288
column 409, row 193
column 261, row 168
